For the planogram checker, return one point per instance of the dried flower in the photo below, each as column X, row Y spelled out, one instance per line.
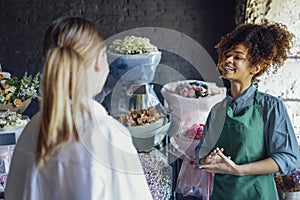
column 288, row 183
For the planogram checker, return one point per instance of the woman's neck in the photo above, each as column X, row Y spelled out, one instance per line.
column 237, row 89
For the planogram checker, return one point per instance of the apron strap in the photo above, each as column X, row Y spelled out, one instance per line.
column 256, row 97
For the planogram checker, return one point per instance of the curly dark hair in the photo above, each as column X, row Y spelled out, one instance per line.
column 268, row 44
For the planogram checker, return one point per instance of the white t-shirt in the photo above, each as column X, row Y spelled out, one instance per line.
column 103, row 165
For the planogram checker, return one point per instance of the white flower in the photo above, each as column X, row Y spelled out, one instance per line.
column 20, row 122
column 11, row 89
column 132, row 45
column 2, row 98
column 6, row 75
column 3, row 122
column 12, row 118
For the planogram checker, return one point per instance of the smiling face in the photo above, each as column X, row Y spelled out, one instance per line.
column 236, row 66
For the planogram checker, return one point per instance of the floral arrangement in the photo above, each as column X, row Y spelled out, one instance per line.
column 186, row 140
column 10, row 118
column 288, row 183
column 131, row 45
column 192, row 90
column 195, row 132
column 15, row 91
column 140, row 117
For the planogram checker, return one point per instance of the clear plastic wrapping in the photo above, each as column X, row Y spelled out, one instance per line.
column 193, row 181
column 186, row 111
column 134, row 69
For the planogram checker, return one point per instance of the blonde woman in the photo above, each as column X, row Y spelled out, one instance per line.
column 72, row 149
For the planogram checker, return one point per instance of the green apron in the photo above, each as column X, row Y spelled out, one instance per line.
column 242, row 138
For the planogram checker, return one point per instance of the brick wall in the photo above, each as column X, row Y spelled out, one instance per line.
column 24, row 22
column 284, row 84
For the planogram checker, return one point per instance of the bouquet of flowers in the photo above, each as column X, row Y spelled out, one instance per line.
column 11, row 119
column 140, row 117
column 194, row 89
column 189, row 102
column 186, row 140
column 133, row 60
column 195, row 132
column 131, row 45
column 15, row 94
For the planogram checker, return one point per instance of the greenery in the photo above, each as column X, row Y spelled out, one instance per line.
column 17, row 91
column 10, row 118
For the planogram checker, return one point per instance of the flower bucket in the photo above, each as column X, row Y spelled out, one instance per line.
column 289, row 195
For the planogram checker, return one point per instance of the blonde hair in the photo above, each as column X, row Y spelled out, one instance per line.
column 71, row 45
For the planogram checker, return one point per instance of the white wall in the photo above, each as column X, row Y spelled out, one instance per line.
column 286, row 83
column 283, row 11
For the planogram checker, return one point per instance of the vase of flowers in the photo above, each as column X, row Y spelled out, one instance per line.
column 15, row 94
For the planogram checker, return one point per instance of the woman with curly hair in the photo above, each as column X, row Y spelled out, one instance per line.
column 249, row 135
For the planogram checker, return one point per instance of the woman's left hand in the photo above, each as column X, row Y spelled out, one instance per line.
column 220, row 163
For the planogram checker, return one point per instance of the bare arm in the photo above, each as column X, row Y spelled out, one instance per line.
column 224, row 165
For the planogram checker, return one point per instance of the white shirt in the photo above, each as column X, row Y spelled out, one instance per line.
column 103, row 165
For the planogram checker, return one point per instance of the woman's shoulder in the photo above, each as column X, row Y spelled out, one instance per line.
column 105, row 120
column 269, row 100
column 97, row 108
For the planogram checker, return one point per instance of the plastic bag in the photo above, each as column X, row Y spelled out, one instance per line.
column 194, row 181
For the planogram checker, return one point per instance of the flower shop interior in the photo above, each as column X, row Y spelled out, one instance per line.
column 184, row 31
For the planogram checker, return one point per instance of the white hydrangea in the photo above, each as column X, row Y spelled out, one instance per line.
column 132, row 45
